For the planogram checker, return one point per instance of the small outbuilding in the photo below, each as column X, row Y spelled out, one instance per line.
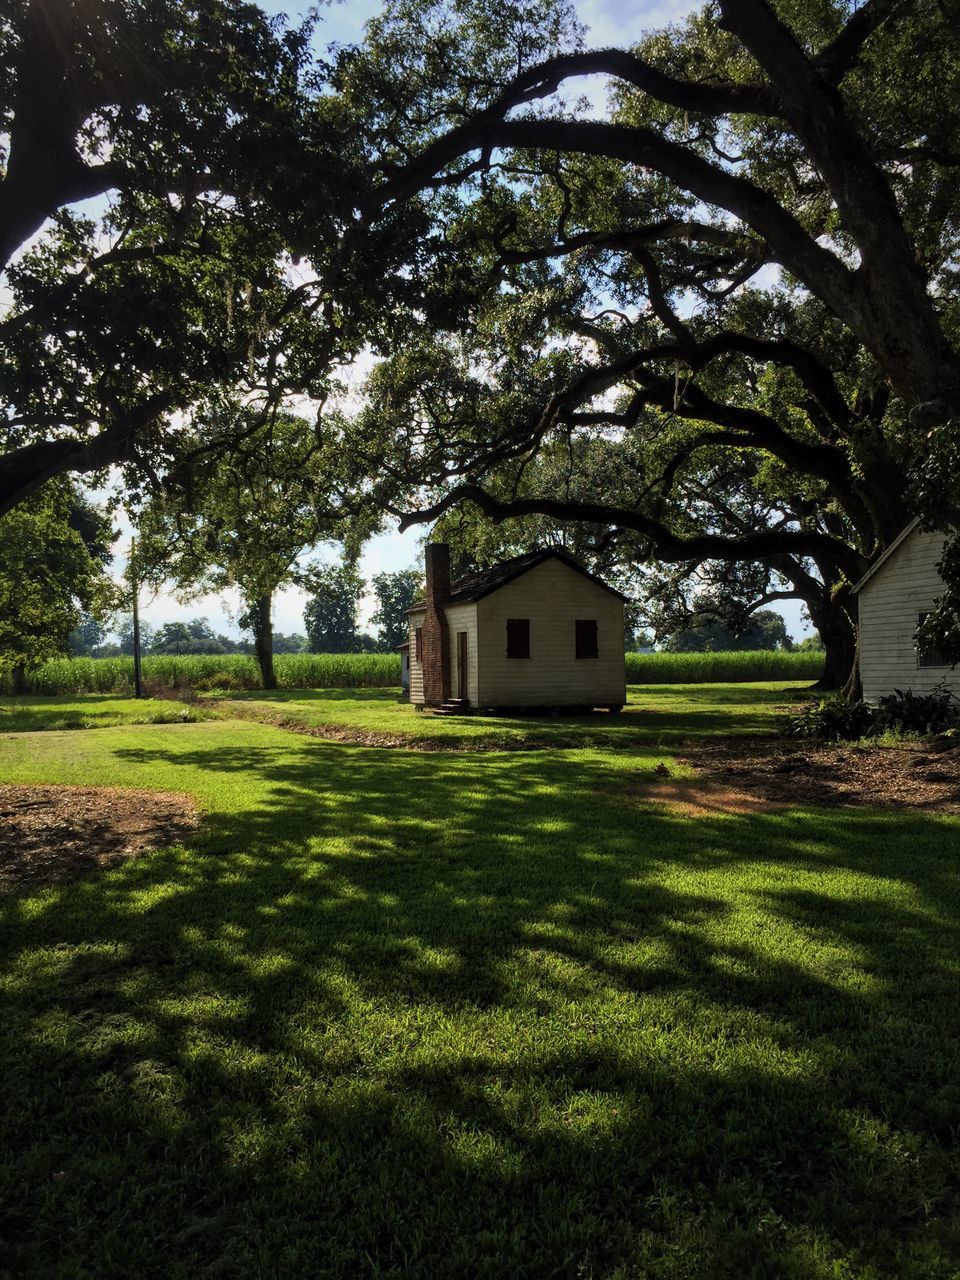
column 894, row 596
column 538, row 630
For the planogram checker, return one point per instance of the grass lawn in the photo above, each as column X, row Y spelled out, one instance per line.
column 461, row 1014
column 654, row 713
column 73, row 711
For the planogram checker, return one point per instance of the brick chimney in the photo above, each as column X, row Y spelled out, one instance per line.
column 438, row 572
column 436, row 643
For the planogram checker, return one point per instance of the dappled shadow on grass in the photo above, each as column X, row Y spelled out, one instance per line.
column 35, row 713
column 653, row 717
column 472, row 1016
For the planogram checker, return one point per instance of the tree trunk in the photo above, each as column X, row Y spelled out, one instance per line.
column 263, row 638
column 19, row 679
column 839, row 637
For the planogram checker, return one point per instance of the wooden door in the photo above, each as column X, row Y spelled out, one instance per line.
column 462, row 683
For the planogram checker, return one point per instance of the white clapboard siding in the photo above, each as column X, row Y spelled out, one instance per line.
column 890, row 602
column 463, row 617
column 416, row 668
column 552, row 596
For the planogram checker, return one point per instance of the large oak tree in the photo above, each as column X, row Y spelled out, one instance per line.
column 598, row 275
column 177, row 197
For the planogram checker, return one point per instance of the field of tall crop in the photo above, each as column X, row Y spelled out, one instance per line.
column 207, row 671
column 717, row 668
column 378, row 670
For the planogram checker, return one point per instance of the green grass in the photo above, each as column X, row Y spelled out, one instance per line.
column 653, row 714
column 400, row 1014
column 33, row 713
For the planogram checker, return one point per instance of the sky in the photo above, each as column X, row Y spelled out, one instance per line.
column 608, row 22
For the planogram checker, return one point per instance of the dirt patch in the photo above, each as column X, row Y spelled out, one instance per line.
column 739, row 775
column 701, row 797
column 49, row 834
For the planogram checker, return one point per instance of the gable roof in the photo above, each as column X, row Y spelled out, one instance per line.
column 474, row 586
column 894, row 546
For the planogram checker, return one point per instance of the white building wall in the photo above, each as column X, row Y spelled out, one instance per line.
column 416, row 668
column 890, row 602
column 463, row 617
column 552, row 596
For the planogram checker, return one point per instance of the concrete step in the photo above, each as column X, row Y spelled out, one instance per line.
column 454, row 707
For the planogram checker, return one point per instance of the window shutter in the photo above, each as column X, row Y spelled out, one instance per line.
column 586, row 632
column 518, row 637
column 418, row 643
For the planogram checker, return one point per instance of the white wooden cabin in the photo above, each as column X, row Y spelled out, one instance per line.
column 893, row 597
column 535, row 631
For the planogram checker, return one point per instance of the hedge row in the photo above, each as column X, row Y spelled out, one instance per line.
column 382, row 670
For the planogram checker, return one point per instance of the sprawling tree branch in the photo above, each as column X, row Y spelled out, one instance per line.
column 24, row 470
column 754, row 428
column 889, row 279
column 871, row 299
column 842, row 53
column 790, row 244
column 630, row 238
column 546, row 77
column 669, row 546
column 45, row 169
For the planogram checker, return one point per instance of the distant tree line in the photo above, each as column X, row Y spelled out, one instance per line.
column 332, row 614
column 90, row 639
column 331, row 620
column 708, row 632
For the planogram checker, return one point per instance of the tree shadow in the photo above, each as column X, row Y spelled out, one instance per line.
column 407, row 1015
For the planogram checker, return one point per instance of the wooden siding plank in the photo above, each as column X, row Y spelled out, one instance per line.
column 552, row 596
column 902, row 588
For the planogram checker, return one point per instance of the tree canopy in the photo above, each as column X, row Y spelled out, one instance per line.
column 332, row 613
column 178, row 208
column 244, row 520
column 720, row 324
column 54, row 552
column 715, row 325
column 395, row 593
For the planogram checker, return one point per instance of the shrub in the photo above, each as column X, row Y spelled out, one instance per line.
column 903, row 711
column 833, row 719
column 911, row 712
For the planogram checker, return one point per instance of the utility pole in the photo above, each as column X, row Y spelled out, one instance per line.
column 135, row 591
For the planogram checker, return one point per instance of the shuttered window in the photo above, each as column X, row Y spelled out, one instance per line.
column 418, row 644
column 587, row 638
column 518, row 637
